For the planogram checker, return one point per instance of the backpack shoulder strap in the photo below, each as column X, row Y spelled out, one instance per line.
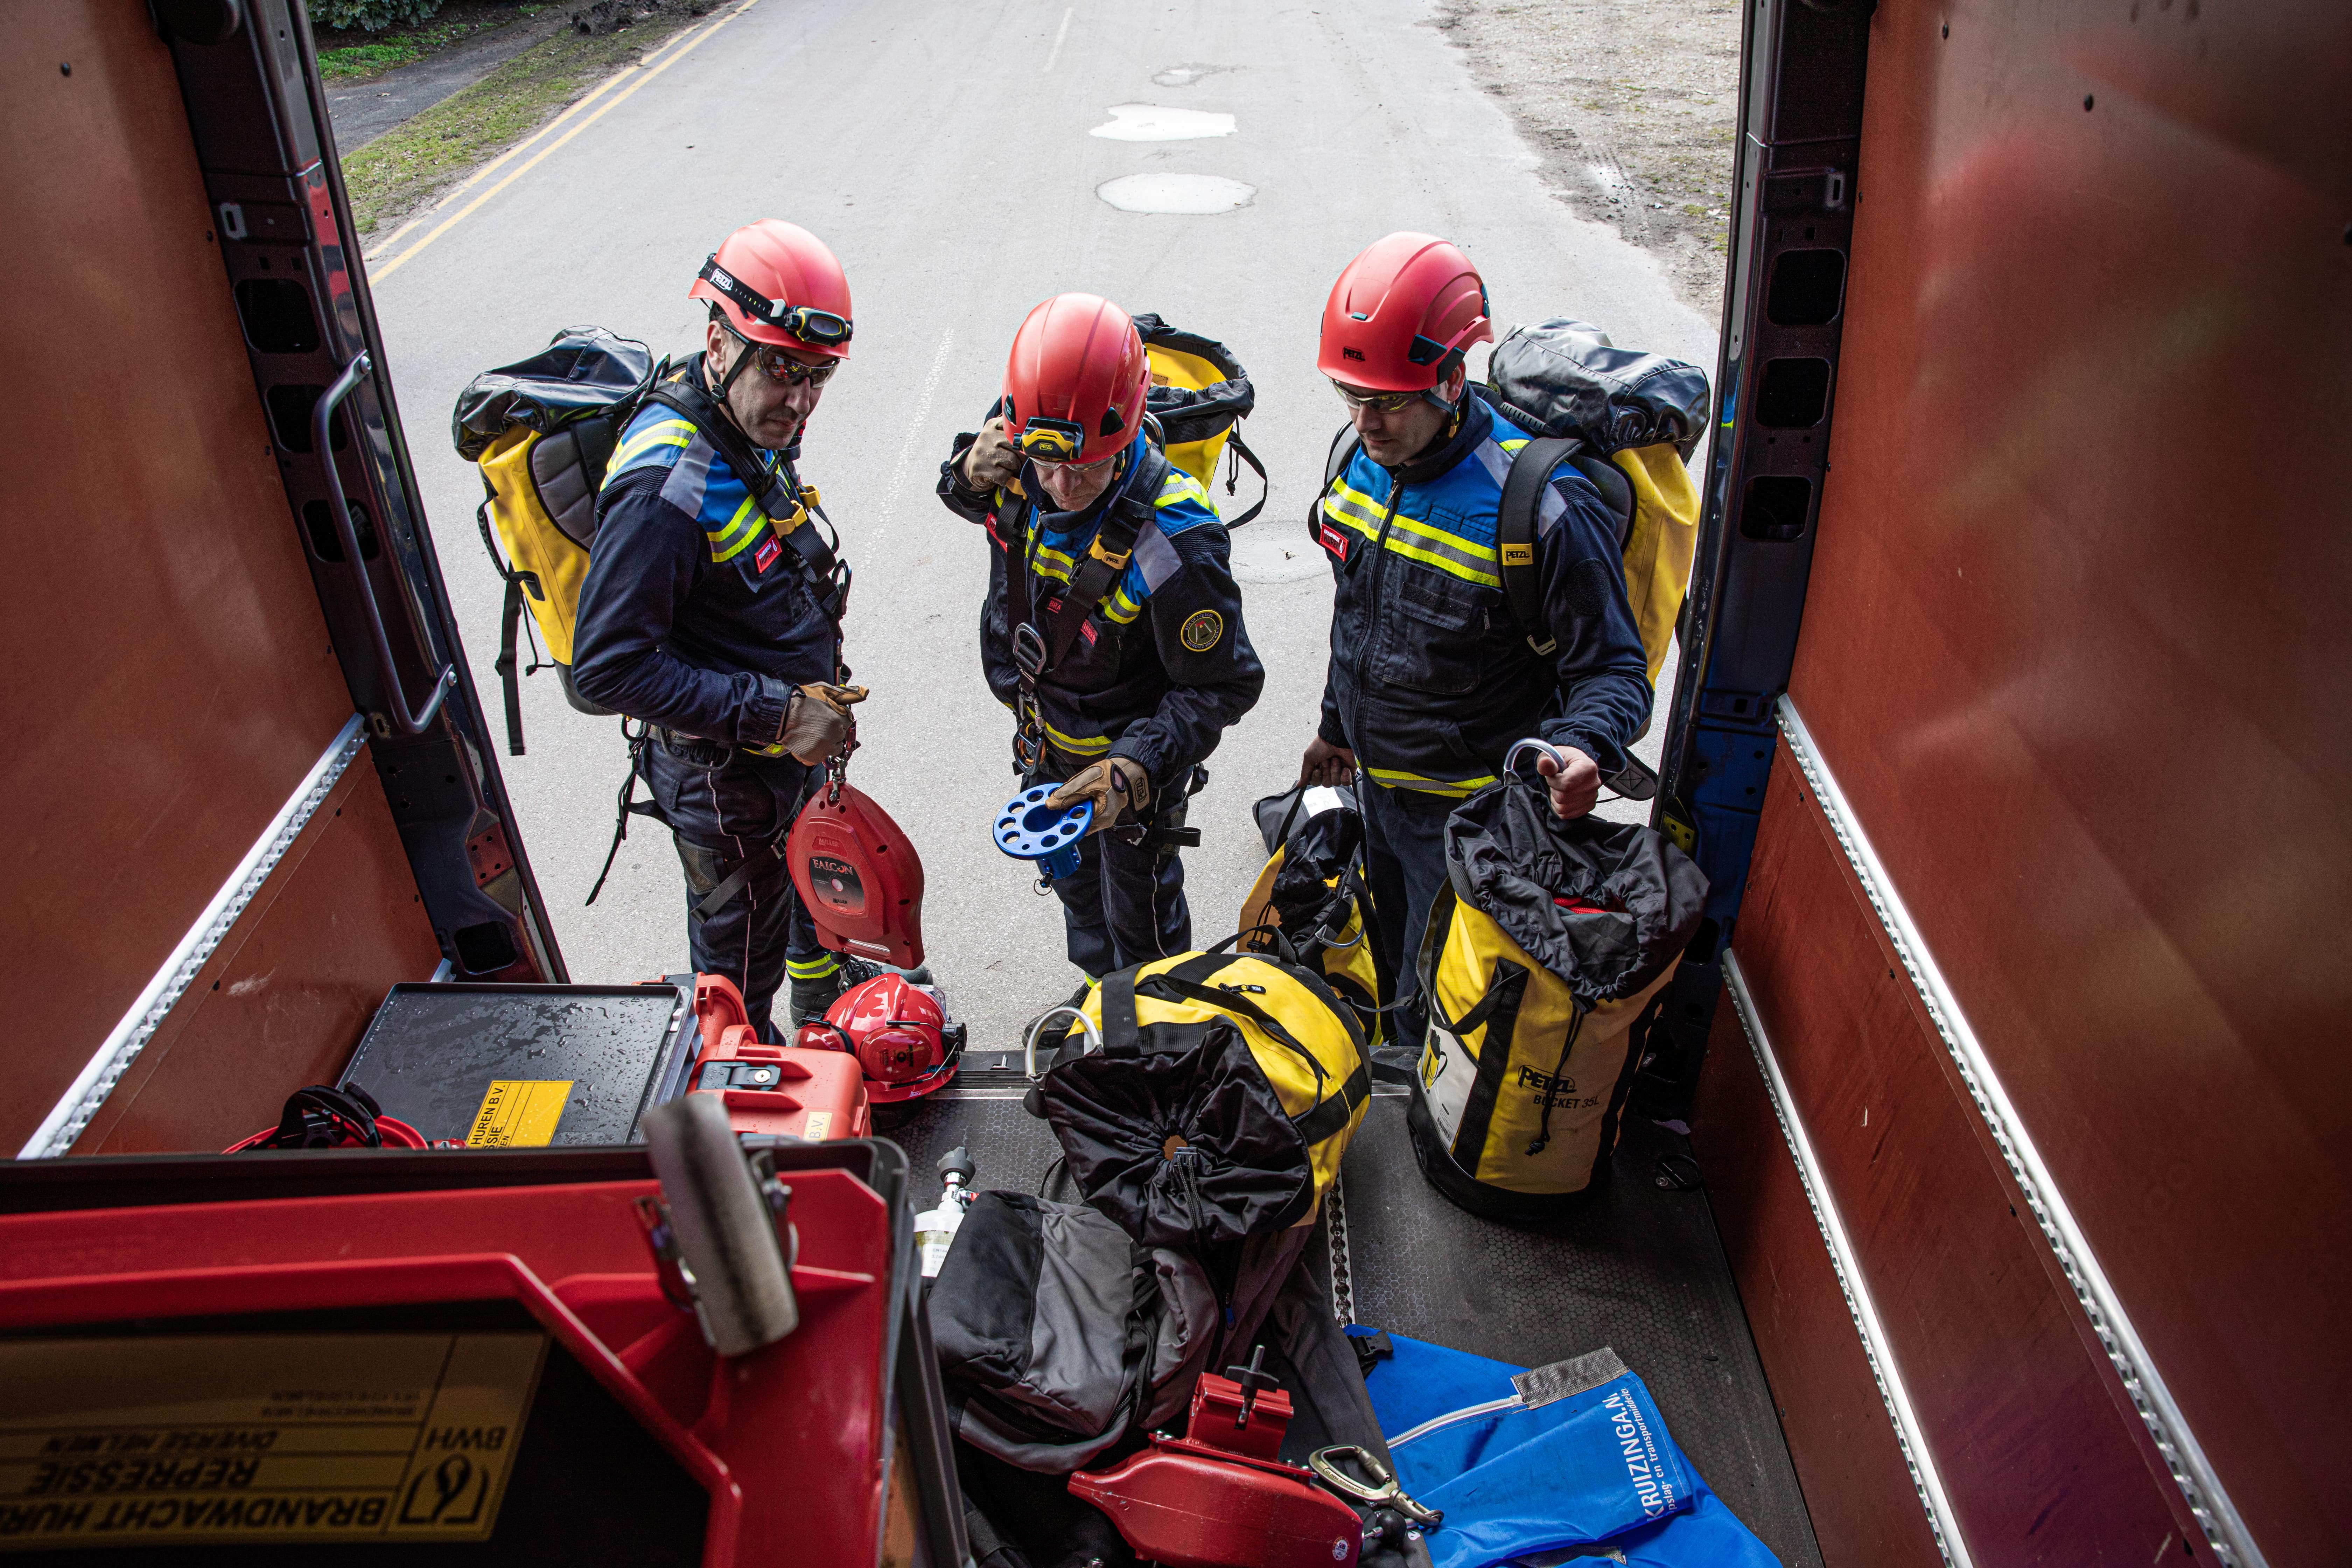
column 1515, row 533
column 775, row 491
column 1345, row 444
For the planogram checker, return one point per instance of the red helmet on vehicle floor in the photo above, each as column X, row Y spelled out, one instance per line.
column 1075, row 382
column 778, row 284
column 898, row 1031
column 1401, row 315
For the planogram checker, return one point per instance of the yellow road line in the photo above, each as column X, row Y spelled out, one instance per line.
column 684, row 49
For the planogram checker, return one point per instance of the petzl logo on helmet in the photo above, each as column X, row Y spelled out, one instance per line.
column 718, row 276
column 1356, row 354
column 1202, row 629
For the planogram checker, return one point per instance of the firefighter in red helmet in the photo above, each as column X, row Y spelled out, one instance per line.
column 1430, row 681
column 713, row 603
column 1113, row 626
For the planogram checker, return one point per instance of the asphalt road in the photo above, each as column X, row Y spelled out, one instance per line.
column 942, row 148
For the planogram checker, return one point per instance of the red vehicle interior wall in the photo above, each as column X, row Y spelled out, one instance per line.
column 2074, row 648
column 171, row 680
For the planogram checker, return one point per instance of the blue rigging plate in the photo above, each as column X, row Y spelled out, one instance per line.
column 1029, row 829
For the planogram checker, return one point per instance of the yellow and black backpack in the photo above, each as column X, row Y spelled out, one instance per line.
column 1207, row 1098
column 1311, row 904
column 1200, row 394
column 542, row 431
column 1628, row 421
column 1543, row 949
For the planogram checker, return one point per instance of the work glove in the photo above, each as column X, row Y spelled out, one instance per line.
column 817, row 724
column 992, row 461
column 1113, row 785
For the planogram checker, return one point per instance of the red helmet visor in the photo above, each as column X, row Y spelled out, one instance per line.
column 821, row 327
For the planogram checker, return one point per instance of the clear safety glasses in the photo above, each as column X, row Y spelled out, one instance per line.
column 1380, row 402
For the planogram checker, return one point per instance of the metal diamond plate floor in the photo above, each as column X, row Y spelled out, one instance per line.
column 1639, row 1270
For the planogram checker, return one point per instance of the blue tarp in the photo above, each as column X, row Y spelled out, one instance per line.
column 1594, row 1470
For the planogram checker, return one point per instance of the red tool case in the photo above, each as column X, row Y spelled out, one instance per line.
column 630, row 1442
column 787, row 1090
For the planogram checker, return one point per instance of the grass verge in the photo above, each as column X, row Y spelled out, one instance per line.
column 356, row 57
column 414, row 163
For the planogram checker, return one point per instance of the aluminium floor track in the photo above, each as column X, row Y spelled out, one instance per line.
column 1640, row 1269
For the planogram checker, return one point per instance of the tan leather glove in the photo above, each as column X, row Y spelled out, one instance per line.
column 818, row 723
column 1114, row 785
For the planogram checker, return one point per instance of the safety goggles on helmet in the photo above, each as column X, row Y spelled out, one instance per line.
column 820, row 327
column 777, row 364
column 1381, row 402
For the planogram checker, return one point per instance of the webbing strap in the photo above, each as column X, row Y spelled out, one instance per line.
column 509, row 621
column 1121, row 1030
column 759, row 861
column 1239, row 448
column 1493, row 1062
column 1515, row 533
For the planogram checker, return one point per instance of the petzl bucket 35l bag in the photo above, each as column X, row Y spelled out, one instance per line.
column 1543, row 948
column 543, row 430
column 1629, row 420
column 1200, row 394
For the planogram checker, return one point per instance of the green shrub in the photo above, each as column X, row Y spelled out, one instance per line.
column 371, row 15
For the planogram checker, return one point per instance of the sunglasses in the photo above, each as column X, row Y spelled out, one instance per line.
column 1381, row 402
column 777, row 366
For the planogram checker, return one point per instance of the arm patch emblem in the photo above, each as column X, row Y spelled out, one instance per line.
column 1201, row 630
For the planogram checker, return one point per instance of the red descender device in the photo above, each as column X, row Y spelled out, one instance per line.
column 1217, row 1497
column 856, row 872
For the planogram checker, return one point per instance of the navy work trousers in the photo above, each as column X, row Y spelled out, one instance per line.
column 1124, row 903
column 1404, row 864
column 722, row 806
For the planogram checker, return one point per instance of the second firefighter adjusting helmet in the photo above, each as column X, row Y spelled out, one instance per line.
column 1075, row 382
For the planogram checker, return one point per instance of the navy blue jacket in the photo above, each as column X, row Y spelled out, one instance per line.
column 1165, row 664
column 693, row 615
column 1431, row 679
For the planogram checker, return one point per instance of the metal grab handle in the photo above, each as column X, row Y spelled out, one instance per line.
column 321, row 442
column 1029, row 1039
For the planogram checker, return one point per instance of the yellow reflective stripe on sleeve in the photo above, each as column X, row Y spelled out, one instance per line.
column 1396, row 778
column 741, row 530
column 1092, row 745
column 668, row 433
column 1181, row 486
column 1120, row 607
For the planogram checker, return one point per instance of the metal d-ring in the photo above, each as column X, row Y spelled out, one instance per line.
column 1029, row 1039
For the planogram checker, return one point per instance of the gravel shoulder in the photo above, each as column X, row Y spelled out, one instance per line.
column 1631, row 106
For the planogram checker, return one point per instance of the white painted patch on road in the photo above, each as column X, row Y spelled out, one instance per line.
column 1193, row 195
column 1059, row 34
column 1150, row 122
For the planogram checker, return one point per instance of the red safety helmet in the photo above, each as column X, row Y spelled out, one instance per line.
column 898, row 1031
column 1401, row 315
column 778, row 284
column 1075, row 382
